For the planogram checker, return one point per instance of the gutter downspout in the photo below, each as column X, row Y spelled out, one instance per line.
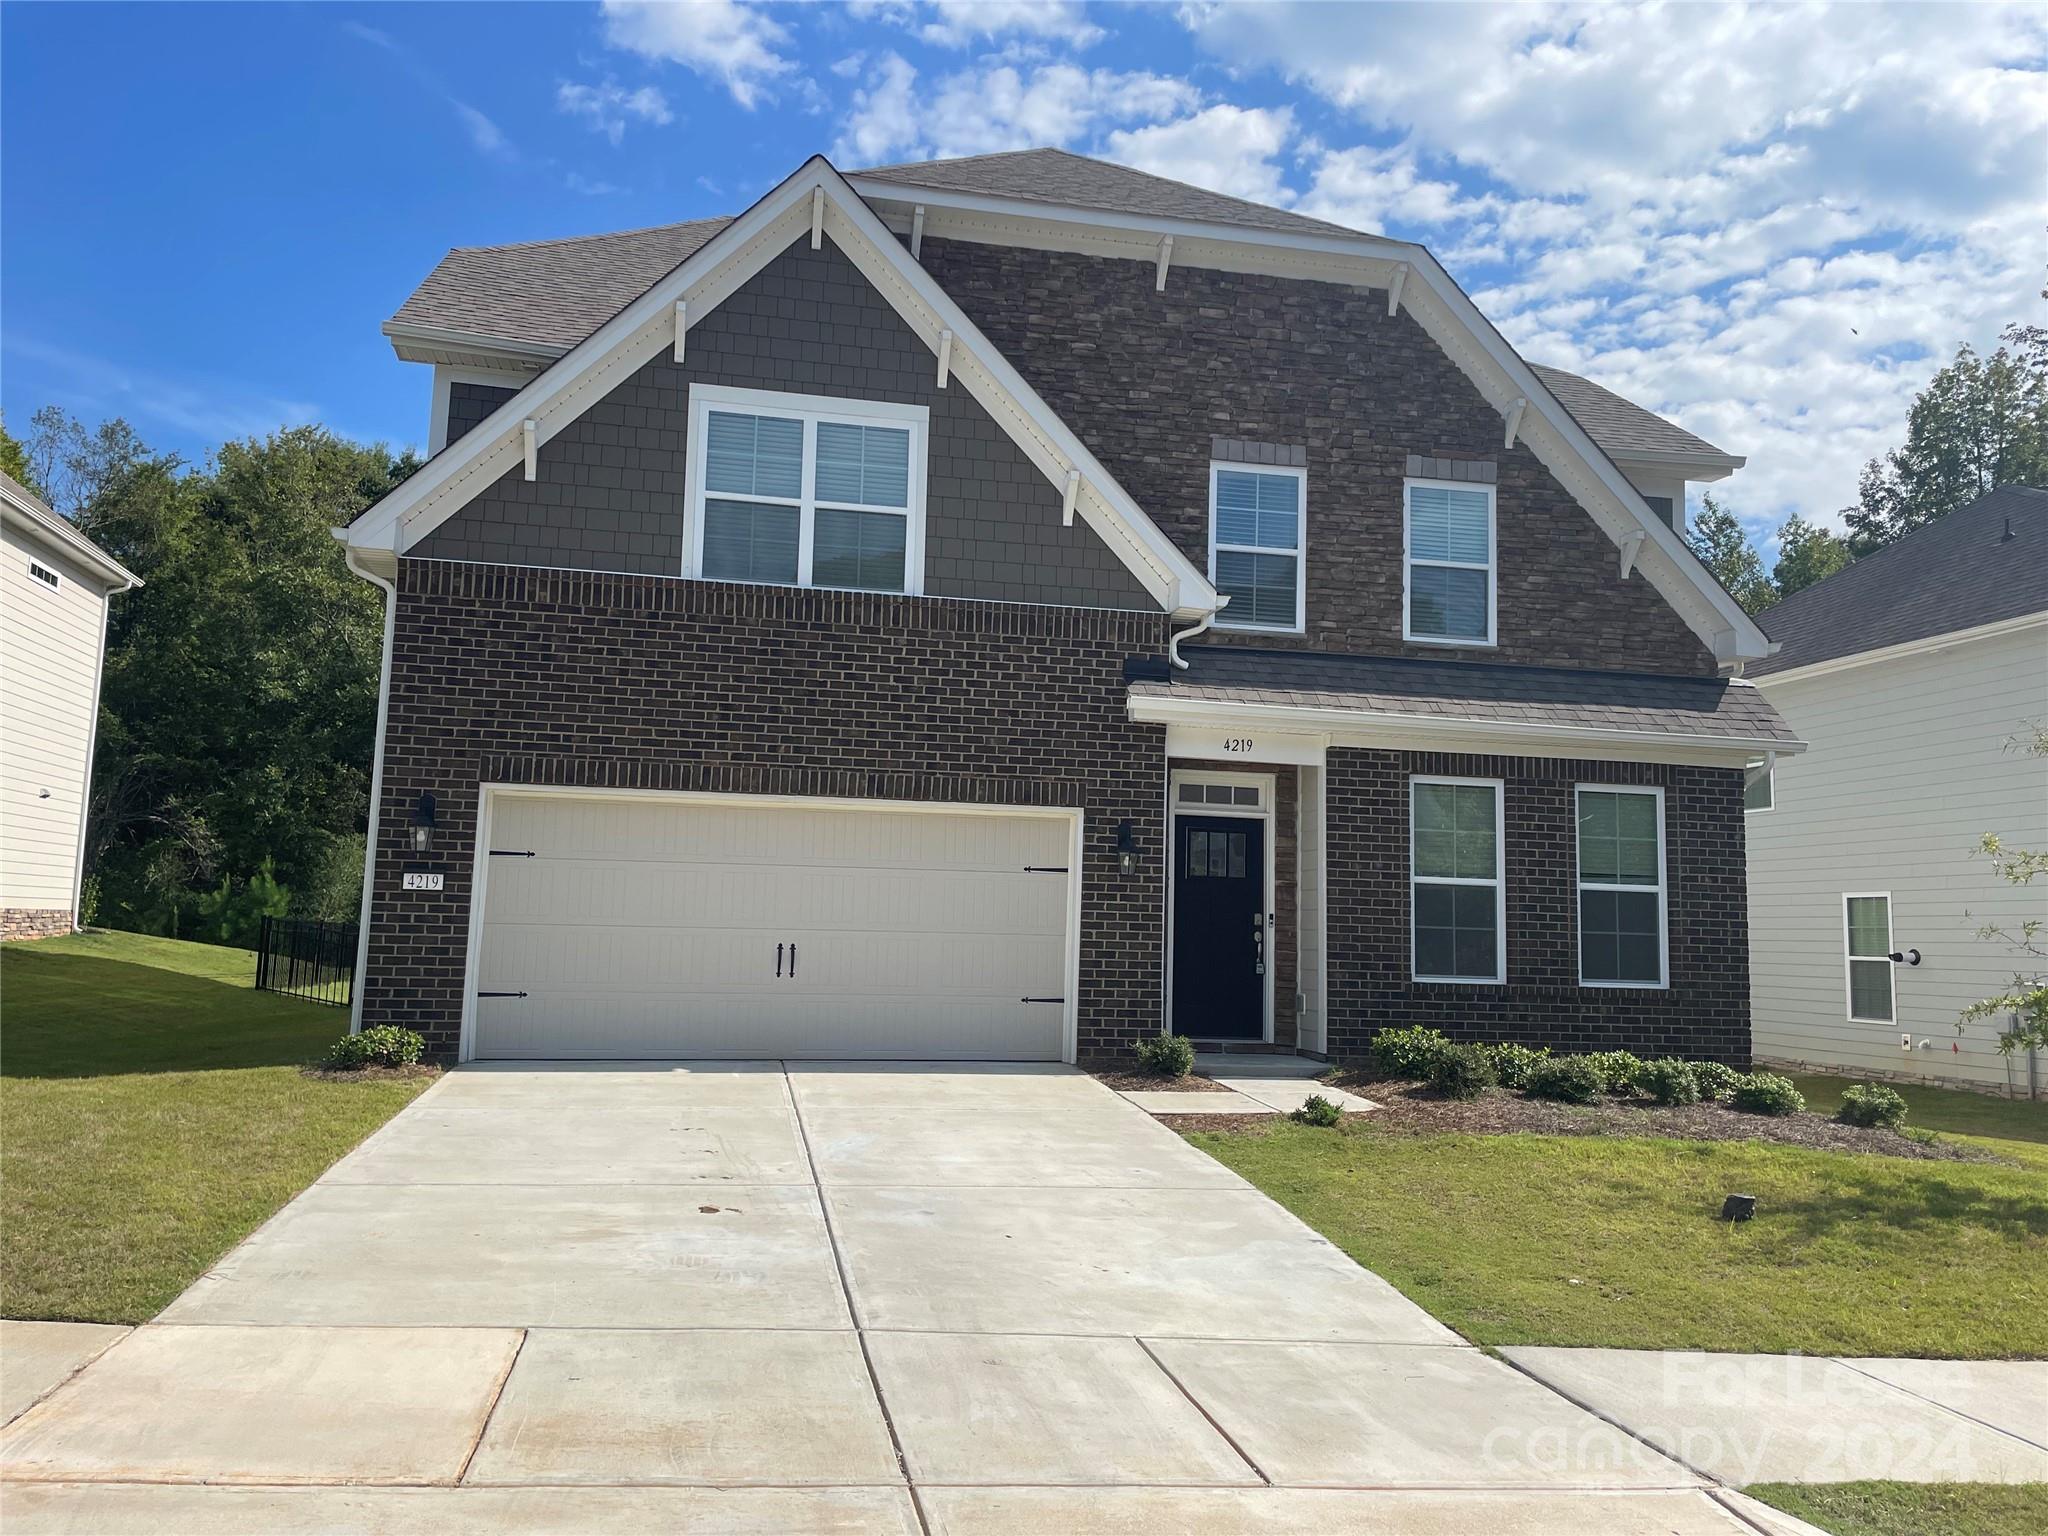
column 390, row 589
column 1752, row 777
column 1200, row 626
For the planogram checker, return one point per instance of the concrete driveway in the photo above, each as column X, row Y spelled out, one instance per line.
column 821, row 1297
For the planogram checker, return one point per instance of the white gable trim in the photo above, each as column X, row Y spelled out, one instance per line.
column 616, row 350
column 1438, row 304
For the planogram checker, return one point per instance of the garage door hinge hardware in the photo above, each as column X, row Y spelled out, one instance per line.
column 501, row 994
column 1045, row 869
column 1041, row 999
column 512, row 853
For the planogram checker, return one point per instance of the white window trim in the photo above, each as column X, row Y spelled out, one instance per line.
column 1492, row 566
column 1848, row 959
column 1580, row 883
column 1499, row 882
column 1769, row 780
column 809, row 409
column 1299, row 552
column 51, row 587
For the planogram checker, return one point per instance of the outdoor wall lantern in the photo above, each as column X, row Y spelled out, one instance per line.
column 1126, row 850
column 423, row 824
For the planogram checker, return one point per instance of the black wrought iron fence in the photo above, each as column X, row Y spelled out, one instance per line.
column 310, row 960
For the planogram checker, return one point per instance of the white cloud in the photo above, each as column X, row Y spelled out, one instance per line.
column 608, row 105
column 212, row 409
column 585, row 186
column 735, row 43
column 960, row 23
column 1224, row 148
column 983, row 110
column 488, row 138
column 1772, row 223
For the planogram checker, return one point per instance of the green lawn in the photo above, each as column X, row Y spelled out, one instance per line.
column 1945, row 1109
column 1913, row 1509
column 1603, row 1241
column 151, row 1115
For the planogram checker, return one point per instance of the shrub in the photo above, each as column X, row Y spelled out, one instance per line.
column 1407, row 1052
column 384, row 1046
column 1766, row 1093
column 1671, row 1082
column 1872, row 1104
column 1620, row 1071
column 1462, row 1071
column 1570, row 1079
column 1317, row 1110
column 1716, row 1078
column 1512, row 1063
column 1167, row 1055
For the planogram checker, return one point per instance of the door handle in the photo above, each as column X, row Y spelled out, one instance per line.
column 1258, row 944
column 778, row 960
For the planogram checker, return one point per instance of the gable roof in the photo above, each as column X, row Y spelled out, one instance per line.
column 1960, row 573
column 817, row 200
column 1063, row 179
column 1621, row 426
column 547, row 294
column 1279, row 243
column 30, row 510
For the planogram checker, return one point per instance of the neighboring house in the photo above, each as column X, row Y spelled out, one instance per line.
column 1917, row 675
column 53, row 635
column 810, row 640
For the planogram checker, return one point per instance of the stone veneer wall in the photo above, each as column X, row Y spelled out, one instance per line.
column 34, row 922
column 1703, row 1013
column 510, row 675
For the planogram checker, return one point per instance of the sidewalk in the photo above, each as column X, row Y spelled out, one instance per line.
column 1743, row 1419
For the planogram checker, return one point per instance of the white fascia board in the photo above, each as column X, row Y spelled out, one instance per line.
column 1669, row 458
column 400, row 332
column 1455, row 323
column 621, row 346
column 1346, row 727
column 1927, row 645
column 39, row 521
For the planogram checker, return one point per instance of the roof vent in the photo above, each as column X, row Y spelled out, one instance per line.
column 2008, row 536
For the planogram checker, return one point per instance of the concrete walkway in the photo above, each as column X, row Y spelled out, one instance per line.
column 823, row 1298
column 1744, row 1419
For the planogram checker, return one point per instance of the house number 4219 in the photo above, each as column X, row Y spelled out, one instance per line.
column 1237, row 743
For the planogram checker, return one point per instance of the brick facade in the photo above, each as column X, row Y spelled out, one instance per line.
column 1148, row 379
column 511, row 675
column 34, row 922
column 1705, row 1010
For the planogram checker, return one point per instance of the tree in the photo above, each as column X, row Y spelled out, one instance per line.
column 14, row 462
column 240, row 687
column 1717, row 538
column 71, row 465
column 1807, row 553
column 1980, row 423
column 2027, row 998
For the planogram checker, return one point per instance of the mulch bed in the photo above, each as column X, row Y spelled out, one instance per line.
column 1131, row 1080
column 1412, row 1110
column 371, row 1074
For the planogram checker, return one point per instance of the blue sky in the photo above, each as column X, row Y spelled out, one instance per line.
column 1772, row 223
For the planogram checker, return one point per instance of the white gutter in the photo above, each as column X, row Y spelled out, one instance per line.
column 390, row 589
column 1200, row 625
column 1752, row 777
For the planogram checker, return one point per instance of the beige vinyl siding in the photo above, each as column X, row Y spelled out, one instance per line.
column 49, row 663
column 1908, row 766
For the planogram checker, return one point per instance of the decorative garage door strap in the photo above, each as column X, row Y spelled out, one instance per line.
column 512, row 853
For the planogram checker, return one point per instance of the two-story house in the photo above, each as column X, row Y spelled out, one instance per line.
column 1007, row 607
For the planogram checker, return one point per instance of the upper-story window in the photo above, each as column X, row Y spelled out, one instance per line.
column 1255, row 545
column 804, row 490
column 1448, row 595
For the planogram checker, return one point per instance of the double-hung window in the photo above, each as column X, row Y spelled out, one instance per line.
column 1458, row 896
column 1448, row 590
column 1256, row 517
column 803, row 490
column 1621, row 887
column 1867, row 924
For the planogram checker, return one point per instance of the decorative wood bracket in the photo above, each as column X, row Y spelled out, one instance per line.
column 1073, row 494
column 917, row 232
column 529, row 434
column 1165, row 261
column 1515, row 420
column 1631, row 546
column 817, row 217
column 1394, row 289
column 945, row 357
column 682, row 326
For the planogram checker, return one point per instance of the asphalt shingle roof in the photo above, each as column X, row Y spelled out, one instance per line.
column 550, row 293
column 1958, row 573
column 1613, row 701
column 1058, row 176
column 1617, row 425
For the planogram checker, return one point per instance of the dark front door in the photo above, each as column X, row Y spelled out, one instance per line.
column 1219, row 928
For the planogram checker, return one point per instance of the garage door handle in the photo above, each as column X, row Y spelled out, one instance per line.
column 778, row 960
column 792, row 960
column 1041, row 999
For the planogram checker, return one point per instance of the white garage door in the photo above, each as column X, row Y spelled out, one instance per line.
column 682, row 928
